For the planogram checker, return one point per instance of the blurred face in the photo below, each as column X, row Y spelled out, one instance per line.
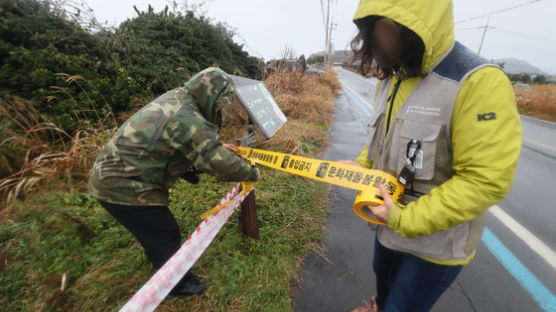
column 229, row 113
column 236, row 101
column 386, row 43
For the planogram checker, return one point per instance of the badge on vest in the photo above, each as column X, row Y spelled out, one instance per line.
column 408, row 171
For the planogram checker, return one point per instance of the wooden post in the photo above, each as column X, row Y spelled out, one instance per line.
column 248, row 223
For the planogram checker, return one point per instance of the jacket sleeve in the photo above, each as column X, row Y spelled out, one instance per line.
column 486, row 149
column 198, row 141
column 363, row 160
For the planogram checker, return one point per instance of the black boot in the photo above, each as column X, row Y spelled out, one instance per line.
column 188, row 286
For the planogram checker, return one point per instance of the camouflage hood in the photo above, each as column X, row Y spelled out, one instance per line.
column 211, row 89
column 159, row 143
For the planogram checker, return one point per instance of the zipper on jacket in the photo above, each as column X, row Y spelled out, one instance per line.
column 391, row 99
column 165, row 173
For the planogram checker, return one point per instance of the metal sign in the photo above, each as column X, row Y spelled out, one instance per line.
column 259, row 105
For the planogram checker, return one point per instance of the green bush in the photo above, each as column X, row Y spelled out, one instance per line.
column 72, row 74
column 162, row 50
column 66, row 71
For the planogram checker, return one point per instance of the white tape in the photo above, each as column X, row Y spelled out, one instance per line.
column 162, row 282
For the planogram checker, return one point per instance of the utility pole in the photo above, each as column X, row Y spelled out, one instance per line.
column 327, row 37
column 330, row 45
column 486, row 27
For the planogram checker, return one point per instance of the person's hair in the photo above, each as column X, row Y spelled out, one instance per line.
column 412, row 51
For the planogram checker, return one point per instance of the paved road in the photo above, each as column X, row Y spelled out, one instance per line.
column 515, row 268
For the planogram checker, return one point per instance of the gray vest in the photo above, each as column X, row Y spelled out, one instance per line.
column 426, row 116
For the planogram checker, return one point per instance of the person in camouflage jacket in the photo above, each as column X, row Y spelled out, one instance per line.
column 173, row 136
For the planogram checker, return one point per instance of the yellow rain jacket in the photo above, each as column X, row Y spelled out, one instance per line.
column 485, row 154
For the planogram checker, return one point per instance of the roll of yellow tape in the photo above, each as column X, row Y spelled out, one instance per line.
column 366, row 198
column 366, row 181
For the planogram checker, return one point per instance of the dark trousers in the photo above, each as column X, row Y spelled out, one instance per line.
column 153, row 226
column 408, row 283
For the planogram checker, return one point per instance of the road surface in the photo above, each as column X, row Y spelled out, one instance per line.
column 515, row 267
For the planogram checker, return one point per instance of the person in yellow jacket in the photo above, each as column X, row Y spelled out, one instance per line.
column 449, row 119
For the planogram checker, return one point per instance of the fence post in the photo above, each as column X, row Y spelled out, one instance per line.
column 247, row 216
column 248, row 223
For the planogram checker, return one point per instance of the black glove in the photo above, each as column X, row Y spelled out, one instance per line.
column 192, row 175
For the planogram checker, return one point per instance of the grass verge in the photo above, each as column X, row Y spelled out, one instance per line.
column 60, row 251
column 538, row 103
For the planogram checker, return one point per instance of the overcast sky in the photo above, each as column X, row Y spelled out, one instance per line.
column 267, row 26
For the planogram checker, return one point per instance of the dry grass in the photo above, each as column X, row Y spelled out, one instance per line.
column 306, row 97
column 539, row 103
column 45, row 151
column 308, row 103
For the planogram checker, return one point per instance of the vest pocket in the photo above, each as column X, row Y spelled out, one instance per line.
column 425, row 161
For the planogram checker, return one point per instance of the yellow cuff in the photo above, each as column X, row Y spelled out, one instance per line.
column 392, row 215
column 364, row 162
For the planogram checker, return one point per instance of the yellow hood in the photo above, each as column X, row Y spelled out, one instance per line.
column 432, row 20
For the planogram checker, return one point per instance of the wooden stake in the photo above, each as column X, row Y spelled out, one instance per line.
column 248, row 223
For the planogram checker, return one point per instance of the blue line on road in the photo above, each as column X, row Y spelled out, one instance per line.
column 361, row 105
column 544, row 298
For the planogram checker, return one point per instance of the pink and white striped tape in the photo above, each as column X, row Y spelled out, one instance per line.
column 162, row 282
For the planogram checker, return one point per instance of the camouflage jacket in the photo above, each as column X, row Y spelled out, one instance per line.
column 157, row 145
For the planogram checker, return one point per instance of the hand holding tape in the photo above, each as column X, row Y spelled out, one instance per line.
column 366, row 181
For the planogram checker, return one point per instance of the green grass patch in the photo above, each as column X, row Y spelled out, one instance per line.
column 71, row 234
column 56, row 234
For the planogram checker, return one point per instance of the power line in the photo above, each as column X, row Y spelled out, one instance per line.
column 515, row 33
column 469, row 28
column 498, row 11
column 511, row 32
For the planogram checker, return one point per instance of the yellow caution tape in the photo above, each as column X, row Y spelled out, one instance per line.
column 214, row 210
column 366, row 181
column 246, row 187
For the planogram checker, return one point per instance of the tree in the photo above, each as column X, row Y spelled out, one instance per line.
column 162, row 50
column 539, row 79
column 316, row 59
column 525, row 78
column 47, row 57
